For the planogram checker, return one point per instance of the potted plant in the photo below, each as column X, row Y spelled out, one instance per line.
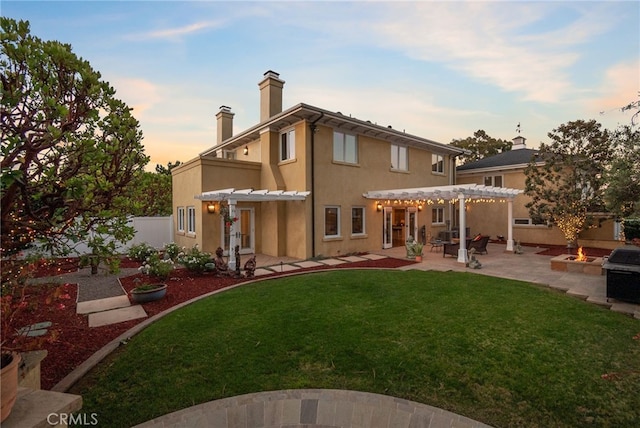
column 148, row 293
column 18, row 297
column 417, row 250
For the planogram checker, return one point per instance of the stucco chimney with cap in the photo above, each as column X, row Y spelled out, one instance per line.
column 224, row 120
column 270, row 95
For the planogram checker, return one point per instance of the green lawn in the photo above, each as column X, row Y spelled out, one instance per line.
column 504, row 352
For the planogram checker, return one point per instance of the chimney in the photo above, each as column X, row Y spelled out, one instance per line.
column 225, row 124
column 519, row 143
column 270, row 95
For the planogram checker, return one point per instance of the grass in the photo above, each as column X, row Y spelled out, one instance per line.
column 504, row 352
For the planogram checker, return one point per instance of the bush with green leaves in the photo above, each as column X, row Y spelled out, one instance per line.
column 195, row 260
column 631, row 228
column 172, row 250
column 157, row 266
column 141, row 252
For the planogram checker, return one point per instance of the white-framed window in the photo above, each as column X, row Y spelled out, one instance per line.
column 288, row 145
column 399, row 159
column 524, row 221
column 180, row 215
column 345, row 147
column 332, row 221
column 437, row 215
column 437, row 164
column 357, row 221
column 493, row 180
column 191, row 219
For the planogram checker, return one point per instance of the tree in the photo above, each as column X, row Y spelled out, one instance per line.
column 481, row 146
column 69, row 147
column 622, row 194
column 161, row 169
column 569, row 186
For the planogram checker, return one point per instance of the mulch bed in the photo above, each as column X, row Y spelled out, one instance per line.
column 71, row 341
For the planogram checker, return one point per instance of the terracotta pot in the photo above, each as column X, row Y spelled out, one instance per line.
column 145, row 296
column 9, row 385
column 418, row 258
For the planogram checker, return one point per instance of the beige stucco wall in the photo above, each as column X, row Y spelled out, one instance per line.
column 491, row 218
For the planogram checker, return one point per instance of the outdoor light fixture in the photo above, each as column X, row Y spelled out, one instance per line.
column 211, row 208
column 379, row 206
column 419, row 207
column 246, row 150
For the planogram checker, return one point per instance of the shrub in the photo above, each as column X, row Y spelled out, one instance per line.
column 172, row 251
column 195, row 260
column 156, row 266
column 141, row 252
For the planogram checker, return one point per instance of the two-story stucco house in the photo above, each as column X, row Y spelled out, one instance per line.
column 307, row 182
column 507, row 169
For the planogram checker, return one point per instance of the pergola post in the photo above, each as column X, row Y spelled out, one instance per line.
column 510, row 225
column 462, row 251
column 232, row 233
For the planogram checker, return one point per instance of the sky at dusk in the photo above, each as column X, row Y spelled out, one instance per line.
column 439, row 70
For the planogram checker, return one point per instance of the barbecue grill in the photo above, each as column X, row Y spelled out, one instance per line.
column 623, row 274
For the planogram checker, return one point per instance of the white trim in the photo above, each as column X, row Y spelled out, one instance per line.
column 253, row 195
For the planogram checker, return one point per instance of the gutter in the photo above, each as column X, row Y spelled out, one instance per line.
column 313, row 128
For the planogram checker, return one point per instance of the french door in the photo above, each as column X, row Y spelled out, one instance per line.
column 387, row 227
column 244, row 229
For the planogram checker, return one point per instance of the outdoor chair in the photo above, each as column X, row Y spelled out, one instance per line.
column 480, row 245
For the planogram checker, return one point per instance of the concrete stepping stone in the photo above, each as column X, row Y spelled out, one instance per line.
column 262, row 271
column 353, row 259
column 332, row 262
column 115, row 316
column 34, row 330
column 308, row 264
column 374, row 256
column 284, row 268
column 100, row 305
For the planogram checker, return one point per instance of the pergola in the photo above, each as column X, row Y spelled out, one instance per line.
column 461, row 193
column 233, row 196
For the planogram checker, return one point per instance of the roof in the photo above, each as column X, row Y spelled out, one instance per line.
column 469, row 191
column 320, row 116
column 510, row 158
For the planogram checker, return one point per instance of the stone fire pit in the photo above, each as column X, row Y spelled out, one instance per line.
column 568, row 263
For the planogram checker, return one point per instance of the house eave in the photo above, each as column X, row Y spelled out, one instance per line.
column 310, row 113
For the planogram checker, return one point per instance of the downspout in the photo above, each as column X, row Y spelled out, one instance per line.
column 313, row 129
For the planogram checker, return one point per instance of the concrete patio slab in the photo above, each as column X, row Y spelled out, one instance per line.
column 353, row 259
column 332, row 262
column 308, row 264
column 101, row 305
column 115, row 316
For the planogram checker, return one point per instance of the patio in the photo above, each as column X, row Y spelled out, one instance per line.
column 528, row 266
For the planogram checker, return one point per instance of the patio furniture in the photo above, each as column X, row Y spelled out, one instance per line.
column 437, row 244
column 480, row 245
column 450, row 248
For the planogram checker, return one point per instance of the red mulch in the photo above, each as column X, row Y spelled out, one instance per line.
column 73, row 341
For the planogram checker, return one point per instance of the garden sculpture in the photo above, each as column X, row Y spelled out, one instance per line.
column 222, row 268
column 250, row 267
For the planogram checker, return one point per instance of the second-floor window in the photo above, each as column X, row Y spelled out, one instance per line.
column 437, row 164
column 345, row 147
column 288, row 145
column 493, row 180
column 399, row 159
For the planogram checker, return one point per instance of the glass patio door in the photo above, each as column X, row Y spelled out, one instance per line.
column 244, row 228
column 387, row 227
column 412, row 223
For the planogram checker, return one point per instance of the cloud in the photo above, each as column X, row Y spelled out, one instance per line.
column 176, row 33
column 139, row 94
